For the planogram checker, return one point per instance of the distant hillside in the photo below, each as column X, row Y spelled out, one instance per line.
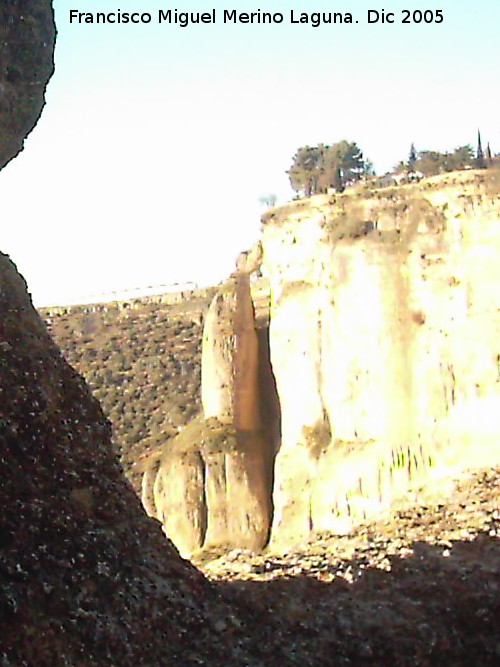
column 142, row 361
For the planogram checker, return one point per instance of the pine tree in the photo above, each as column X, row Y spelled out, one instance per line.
column 412, row 158
column 480, row 164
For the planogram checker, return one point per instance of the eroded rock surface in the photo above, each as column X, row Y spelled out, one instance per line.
column 211, row 488
column 384, row 342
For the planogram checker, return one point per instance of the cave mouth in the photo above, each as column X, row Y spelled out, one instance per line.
column 270, row 411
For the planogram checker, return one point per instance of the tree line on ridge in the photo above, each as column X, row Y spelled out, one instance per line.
column 319, row 169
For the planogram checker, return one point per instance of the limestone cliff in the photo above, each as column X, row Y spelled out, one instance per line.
column 211, row 487
column 385, row 322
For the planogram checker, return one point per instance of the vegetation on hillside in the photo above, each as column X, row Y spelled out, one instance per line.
column 318, row 169
column 431, row 163
column 143, row 365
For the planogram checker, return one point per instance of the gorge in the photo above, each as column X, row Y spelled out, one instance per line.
column 359, row 369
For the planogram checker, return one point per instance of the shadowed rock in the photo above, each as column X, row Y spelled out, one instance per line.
column 85, row 577
column 27, row 35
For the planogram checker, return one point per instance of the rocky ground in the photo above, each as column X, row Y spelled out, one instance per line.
column 420, row 588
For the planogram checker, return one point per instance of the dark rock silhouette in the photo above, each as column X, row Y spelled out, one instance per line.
column 27, row 35
column 86, row 578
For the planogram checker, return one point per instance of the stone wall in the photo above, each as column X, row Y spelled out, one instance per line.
column 189, row 302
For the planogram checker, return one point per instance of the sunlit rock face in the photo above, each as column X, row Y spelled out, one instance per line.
column 384, row 343
column 237, row 484
column 27, row 35
column 374, row 335
column 211, row 488
column 230, row 352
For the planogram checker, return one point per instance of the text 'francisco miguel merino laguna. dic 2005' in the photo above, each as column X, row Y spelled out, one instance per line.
column 236, row 17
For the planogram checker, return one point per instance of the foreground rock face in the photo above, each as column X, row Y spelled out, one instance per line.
column 86, row 577
column 27, row 36
column 384, row 342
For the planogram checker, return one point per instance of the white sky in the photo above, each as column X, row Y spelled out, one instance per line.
column 157, row 141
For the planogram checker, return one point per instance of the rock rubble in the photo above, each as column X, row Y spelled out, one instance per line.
column 420, row 588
